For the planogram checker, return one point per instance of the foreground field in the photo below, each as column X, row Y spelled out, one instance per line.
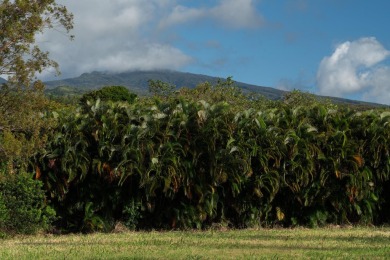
column 262, row 243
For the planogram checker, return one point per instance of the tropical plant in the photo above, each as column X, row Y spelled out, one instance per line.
column 179, row 162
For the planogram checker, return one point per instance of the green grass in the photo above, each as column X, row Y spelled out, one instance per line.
column 233, row 244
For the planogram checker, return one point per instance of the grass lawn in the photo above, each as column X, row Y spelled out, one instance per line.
column 233, row 244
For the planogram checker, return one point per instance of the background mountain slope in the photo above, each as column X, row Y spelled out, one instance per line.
column 137, row 81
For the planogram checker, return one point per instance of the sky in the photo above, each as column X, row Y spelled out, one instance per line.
column 328, row 47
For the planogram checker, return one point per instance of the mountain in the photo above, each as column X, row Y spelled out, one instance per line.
column 68, row 91
column 2, row 81
column 137, row 81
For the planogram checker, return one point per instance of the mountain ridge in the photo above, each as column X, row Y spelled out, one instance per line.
column 137, row 81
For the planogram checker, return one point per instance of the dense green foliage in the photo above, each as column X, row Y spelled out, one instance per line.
column 183, row 162
column 22, row 205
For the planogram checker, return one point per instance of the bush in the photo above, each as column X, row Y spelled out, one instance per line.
column 23, row 209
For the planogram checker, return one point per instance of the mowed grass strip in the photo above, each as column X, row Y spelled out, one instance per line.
column 233, row 244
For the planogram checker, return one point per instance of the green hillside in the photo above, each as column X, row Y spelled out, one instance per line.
column 137, row 81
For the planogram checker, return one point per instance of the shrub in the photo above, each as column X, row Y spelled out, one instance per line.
column 23, row 209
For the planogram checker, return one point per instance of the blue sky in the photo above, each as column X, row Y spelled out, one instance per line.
column 330, row 47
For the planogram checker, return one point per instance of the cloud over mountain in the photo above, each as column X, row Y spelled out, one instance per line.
column 123, row 35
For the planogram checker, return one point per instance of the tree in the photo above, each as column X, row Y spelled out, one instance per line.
column 23, row 128
column 160, row 88
column 112, row 93
column 20, row 21
column 23, row 107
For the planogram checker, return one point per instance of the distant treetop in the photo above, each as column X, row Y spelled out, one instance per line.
column 110, row 93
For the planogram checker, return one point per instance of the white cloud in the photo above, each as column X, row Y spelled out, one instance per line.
column 150, row 56
column 115, row 35
column 181, row 14
column 120, row 35
column 235, row 14
column 355, row 67
column 380, row 86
